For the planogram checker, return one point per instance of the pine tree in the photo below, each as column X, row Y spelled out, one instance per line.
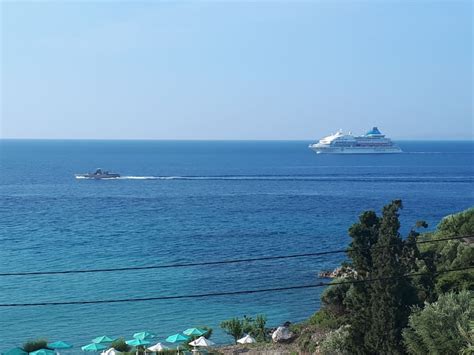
column 379, row 310
column 364, row 235
column 390, row 299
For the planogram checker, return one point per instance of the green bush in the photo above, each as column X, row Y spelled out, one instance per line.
column 120, row 345
column 305, row 343
column 325, row 319
column 440, row 326
column 451, row 254
column 208, row 331
column 233, row 327
column 259, row 330
column 308, row 337
column 34, row 345
column 333, row 297
column 236, row 327
column 336, row 342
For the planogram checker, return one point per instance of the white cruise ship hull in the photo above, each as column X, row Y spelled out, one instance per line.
column 354, row 150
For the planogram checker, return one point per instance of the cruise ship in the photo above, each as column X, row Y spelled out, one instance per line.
column 372, row 142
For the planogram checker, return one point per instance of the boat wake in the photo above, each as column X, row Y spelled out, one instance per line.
column 306, row 178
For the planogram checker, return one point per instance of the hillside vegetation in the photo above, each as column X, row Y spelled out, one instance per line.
column 385, row 312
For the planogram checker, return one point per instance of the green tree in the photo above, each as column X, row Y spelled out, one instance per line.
column 247, row 325
column 379, row 310
column 34, row 345
column 451, row 254
column 259, row 328
column 441, row 327
column 390, row 299
column 233, row 327
column 238, row 327
column 333, row 297
column 364, row 235
column 120, row 345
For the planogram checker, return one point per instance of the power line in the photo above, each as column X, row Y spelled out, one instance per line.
column 227, row 293
column 208, row 263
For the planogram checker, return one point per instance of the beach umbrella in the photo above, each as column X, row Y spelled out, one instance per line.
column 138, row 342
column 94, row 347
column 194, row 332
column 15, row 351
column 201, row 341
column 110, row 351
column 104, row 339
column 177, row 338
column 246, row 340
column 59, row 345
column 144, row 335
column 43, row 352
column 157, row 347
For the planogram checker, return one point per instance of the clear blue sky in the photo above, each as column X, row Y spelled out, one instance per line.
column 236, row 70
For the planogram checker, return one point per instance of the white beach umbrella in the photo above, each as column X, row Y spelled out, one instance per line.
column 110, row 351
column 201, row 341
column 158, row 347
column 246, row 340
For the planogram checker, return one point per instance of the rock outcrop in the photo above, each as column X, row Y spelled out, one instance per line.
column 339, row 272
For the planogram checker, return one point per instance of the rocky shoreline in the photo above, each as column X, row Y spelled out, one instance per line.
column 339, row 272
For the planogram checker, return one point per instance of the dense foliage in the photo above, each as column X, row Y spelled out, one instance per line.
column 120, row 345
column 34, row 345
column 379, row 307
column 335, row 342
column 438, row 328
column 233, row 327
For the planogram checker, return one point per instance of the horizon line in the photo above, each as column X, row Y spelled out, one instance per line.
column 224, row 140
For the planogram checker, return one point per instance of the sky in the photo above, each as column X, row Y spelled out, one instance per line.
column 235, row 70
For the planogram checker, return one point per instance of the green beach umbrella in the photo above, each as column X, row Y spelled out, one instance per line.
column 144, row 335
column 15, row 351
column 138, row 342
column 59, row 345
column 177, row 338
column 104, row 339
column 194, row 332
column 43, row 352
column 94, row 347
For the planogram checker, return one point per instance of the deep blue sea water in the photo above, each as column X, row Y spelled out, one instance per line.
column 188, row 202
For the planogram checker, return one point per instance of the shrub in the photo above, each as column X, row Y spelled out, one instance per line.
column 309, row 337
column 439, row 327
column 453, row 253
column 336, row 342
column 120, row 345
column 34, row 345
column 238, row 327
column 333, row 297
column 233, row 327
column 208, row 333
column 259, row 330
column 325, row 319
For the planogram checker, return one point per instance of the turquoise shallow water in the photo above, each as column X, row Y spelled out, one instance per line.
column 187, row 202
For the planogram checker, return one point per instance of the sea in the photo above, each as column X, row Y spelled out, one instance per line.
column 182, row 202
